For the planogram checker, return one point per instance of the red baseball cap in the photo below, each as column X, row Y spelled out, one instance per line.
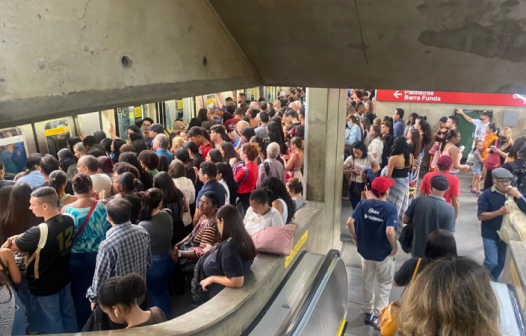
column 382, row 184
column 445, row 161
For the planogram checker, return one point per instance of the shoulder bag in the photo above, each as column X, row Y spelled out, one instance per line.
column 388, row 320
column 493, row 160
column 86, row 220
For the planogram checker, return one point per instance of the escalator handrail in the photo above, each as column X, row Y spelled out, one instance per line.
column 274, row 296
column 294, row 322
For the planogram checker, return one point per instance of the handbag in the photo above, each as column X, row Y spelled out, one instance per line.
column 275, row 240
column 388, row 320
column 493, row 160
column 406, row 238
column 188, row 265
column 198, row 295
column 433, row 149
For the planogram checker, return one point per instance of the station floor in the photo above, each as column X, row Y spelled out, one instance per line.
column 469, row 243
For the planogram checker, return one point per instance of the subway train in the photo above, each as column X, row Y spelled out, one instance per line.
column 49, row 136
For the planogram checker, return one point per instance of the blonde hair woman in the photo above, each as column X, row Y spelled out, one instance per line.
column 452, row 296
column 177, row 143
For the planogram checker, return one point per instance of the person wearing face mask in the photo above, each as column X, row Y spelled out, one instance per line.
column 480, row 124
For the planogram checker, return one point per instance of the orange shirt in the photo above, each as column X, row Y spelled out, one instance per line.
column 488, row 139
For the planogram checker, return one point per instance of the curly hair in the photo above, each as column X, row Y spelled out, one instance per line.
column 149, row 159
column 251, row 150
column 124, row 167
column 278, row 190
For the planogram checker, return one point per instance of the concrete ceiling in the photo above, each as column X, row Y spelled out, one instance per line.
column 436, row 45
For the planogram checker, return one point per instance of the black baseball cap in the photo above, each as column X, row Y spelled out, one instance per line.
column 439, row 182
column 157, row 128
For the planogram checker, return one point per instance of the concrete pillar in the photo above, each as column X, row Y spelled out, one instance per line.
column 324, row 147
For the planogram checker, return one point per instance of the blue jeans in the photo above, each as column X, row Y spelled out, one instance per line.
column 23, row 294
column 157, row 282
column 81, row 270
column 55, row 314
column 494, row 256
column 20, row 324
column 454, row 174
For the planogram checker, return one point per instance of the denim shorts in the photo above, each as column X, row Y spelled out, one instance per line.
column 477, row 171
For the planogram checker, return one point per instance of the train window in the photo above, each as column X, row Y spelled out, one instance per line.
column 126, row 118
column 211, row 101
column 57, row 133
column 13, row 152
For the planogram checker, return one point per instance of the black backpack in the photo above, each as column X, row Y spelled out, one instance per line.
column 519, row 177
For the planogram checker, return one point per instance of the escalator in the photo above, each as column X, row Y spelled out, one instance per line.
column 311, row 299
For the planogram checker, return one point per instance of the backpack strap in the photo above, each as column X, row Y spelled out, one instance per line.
column 267, row 168
column 416, row 269
column 41, row 243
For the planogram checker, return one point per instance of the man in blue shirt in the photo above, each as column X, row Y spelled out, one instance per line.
column 399, row 125
column 207, row 175
column 373, row 227
column 160, row 146
column 491, row 209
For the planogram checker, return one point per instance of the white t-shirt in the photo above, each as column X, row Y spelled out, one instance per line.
column 376, row 146
column 480, row 129
column 361, row 164
column 187, row 188
column 254, row 222
column 101, row 182
column 227, row 197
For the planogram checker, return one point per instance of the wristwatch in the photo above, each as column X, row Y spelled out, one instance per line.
column 179, row 254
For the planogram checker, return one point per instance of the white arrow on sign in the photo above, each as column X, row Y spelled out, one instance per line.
column 397, row 94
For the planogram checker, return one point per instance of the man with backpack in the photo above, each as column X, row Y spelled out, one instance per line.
column 271, row 166
column 48, row 246
column 518, row 169
column 492, row 206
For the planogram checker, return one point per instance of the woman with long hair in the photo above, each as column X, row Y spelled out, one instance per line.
column 127, row 186
column 193, row 150
column 174, row 200
column 376, row 145
column 410, row 124
column 387, row 133
column 275, row 133
column 294, row 161
column 163, row 163
column 58, row 181
column 440, row 243
column 415, row 140
column 132, row 158
column 246, row 176
column 202, row 115
column 452, row 296
column 517, row 144
column 262, row 148
column 449, row 148
column 32, row 174
column 177, row 172
column 214, row 155
column 366, row 126
column 230, row 261
column 356, row 165
column 116, row 149
column 399, row 166
column 279, row 198
column 228, row 152
column 159, row 224
column 79, row 150
column 86, row 245
column 505, row 144
column 18, row 218
column 117, row 297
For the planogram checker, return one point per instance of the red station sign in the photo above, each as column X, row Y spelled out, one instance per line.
column 494, row 99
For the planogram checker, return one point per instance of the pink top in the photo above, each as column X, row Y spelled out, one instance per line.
column 451, row 169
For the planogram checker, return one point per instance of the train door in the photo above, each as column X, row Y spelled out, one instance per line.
column 125, row 118
column 14, row 149
column 88, row 123
column 188, row 109
column 53, row 135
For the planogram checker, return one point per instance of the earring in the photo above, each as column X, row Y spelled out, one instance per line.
column 115, row 311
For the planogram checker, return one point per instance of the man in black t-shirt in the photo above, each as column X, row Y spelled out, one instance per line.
column 49, row 289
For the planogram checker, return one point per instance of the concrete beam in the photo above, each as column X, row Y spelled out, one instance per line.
column 78, row 56
column 435, row 45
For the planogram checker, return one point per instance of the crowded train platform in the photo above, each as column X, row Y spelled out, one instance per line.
column 135, row 226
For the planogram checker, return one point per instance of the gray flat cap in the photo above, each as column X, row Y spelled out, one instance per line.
column 501, row 174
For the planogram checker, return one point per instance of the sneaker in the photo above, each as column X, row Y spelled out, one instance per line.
column 374, row 322
column 473, row 191
column 477, row 193
column 368, row 318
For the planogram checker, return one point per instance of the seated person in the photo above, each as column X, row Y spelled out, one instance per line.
column 228, row 263
column 260, row 215
column 295, row 189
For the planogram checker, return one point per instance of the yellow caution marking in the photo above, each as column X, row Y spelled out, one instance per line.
column 296, row 248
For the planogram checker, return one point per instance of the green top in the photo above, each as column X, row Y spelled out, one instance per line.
column 153, row 172
column 63, row 199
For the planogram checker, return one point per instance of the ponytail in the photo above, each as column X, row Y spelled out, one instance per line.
column 57, row 179
column 151, row 200
column 449, row 135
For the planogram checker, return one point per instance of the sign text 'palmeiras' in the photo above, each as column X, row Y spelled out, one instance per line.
column 492, row 99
